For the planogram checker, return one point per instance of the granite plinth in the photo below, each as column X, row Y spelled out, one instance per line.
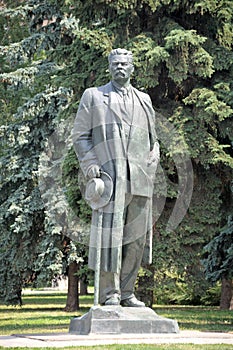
column 122, row 320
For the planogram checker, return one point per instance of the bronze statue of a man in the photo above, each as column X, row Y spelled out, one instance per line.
column 114, row 134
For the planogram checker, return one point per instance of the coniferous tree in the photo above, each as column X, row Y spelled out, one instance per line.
column 183, row 59
column 219, row 262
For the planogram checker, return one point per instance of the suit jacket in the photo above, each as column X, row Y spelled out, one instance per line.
column 99, row 138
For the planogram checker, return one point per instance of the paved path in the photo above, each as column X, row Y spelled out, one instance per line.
column 66, row 339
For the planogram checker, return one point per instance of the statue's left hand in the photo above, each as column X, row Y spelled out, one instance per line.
column 93, row 171
column 153, row 157
column 154, row 154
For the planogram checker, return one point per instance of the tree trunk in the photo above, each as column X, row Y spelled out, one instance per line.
column 231, row 304
column 226, row 294
column 72, row 301
column 83, row 287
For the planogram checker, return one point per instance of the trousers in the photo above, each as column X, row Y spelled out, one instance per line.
column 122, row 284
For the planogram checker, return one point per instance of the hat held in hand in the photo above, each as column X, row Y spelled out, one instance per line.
column 99, row 191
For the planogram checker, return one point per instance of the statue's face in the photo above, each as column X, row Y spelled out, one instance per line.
column 121, row 68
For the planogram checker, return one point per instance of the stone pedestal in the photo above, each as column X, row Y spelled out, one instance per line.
column 122, row 320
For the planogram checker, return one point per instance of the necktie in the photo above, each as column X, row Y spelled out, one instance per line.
column 127, row 101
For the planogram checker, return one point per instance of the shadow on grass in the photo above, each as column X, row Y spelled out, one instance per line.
column 31, row 309
column 199, row 318
column 36, row 324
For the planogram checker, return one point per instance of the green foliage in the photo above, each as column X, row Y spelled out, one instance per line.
column 148, row 59
column 187, row 55
column 219, row 251
column 24, row 76
column 212, row 295
column 22, row 210
column 75, row 184
column 59, row 187
column 207, row 101
column 201, row 126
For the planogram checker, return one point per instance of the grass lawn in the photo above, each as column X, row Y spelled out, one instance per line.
column 43, row 313
column 136, row 347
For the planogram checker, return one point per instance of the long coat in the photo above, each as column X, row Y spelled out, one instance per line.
column 99, row 139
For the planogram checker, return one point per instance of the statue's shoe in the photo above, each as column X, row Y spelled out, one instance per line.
column 132, row 302
column 114, row 300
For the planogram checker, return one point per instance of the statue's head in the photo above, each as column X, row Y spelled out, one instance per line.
column 120, row 52
column 121, row 65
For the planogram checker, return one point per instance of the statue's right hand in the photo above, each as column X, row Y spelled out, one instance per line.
column 93, row 171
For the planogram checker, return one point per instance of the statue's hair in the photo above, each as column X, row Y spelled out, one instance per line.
column 120, row 52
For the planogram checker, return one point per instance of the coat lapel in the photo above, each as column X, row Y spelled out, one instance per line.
column 110, row 99
column 150, row 116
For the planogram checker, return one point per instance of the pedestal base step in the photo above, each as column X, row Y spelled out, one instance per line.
column 120, row 320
